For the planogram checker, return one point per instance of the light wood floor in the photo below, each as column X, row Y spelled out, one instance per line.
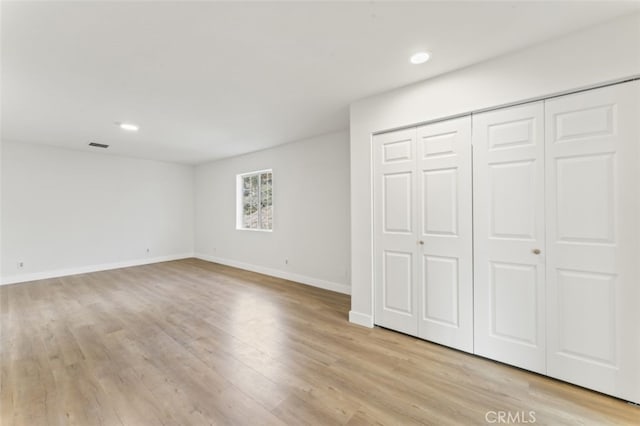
column 195, row 343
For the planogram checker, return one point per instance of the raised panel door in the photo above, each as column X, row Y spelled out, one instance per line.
column 593, row 235
column 395, row 231
column 445, row 282
column 508, row 214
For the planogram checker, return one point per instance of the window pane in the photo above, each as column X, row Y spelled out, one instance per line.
column 250, row 202
column 267, row 217
column 256, row 201
column 253, row 219
column 266, row 201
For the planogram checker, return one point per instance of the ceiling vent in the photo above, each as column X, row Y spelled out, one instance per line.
column 98, row 145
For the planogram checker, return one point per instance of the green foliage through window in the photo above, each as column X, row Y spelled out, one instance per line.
column 257, row 200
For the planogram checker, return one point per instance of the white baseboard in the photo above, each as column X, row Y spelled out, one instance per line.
column 361, row 319
column 315, row 282
column 90, row 268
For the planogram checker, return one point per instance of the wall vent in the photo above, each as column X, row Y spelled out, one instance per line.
column 98, row 145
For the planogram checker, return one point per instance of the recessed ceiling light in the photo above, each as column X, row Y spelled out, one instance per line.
column 419, row 58
column 128, row 126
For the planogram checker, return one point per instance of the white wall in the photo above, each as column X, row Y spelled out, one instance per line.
column 67, row 211
column 605, row 53
column 311, row 213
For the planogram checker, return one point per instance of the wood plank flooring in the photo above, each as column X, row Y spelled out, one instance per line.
column 196, row 343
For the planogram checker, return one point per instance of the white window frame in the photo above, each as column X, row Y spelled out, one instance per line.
column 239, row 200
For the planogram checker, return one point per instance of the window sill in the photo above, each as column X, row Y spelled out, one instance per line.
column 254, row 230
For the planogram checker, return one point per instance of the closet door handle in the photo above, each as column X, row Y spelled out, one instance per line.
column 535, row 251
column 421, row 242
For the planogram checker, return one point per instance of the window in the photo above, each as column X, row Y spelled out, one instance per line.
column 255, row 200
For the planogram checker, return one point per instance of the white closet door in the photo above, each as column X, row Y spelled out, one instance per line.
column 445, row 289
column 509, row 272
column 395, row 229
column 593, row 280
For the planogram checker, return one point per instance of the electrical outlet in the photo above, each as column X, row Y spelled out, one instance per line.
column 20, row 265
column 148, row 250
column 286, row 261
